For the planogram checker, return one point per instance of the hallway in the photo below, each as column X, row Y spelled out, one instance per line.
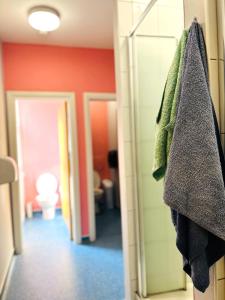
column 54, row 268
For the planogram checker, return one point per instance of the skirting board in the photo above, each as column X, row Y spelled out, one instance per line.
column 7, row 280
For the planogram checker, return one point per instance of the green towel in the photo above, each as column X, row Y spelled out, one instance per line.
column 167, row 114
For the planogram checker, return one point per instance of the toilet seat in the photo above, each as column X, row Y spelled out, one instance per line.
column 46, row 184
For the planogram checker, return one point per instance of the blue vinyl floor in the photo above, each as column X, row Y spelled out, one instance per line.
column 54, row 268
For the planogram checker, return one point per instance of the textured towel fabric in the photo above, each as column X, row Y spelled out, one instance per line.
column 170, row 126
column 167, row 111
column 200, row 248
column 194, row 184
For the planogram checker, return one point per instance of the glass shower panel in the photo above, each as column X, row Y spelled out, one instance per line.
column 152, row 57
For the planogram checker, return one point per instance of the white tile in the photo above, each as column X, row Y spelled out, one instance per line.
column 131, row 227
column 220, row 26
column 146, row 2
column 168, row 3
column 138, row 9
column 166, row 20
column 214, row 89
column 130, row 192
column 220, row 269
column 133, row 262
column 221, row 289
column 170, row 21
column 180, row 4
column 128, row 159
column 146, row 157
column 125, row 89
column 147, row 123
column 222, row 95
column 149, row 25
column 123, row 55
column 154, row 225
column 127, row 124
column 125, row 17
column 152, row 192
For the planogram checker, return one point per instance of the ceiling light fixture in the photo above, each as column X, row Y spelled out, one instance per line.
column 44, row 18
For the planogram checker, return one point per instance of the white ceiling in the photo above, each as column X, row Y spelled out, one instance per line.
column 84, row 23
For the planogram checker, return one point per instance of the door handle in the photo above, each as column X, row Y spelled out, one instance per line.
column 8, row 170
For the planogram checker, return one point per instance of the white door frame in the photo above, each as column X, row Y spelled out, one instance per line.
column 89, row 156
column 69, row 98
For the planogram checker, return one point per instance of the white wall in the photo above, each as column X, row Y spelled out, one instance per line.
column 6, row 237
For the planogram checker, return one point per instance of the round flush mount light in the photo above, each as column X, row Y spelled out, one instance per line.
column 44, row 18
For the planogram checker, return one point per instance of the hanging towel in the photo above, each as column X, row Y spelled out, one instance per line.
column 166, row 116
column 200, row 248
column 194, row 185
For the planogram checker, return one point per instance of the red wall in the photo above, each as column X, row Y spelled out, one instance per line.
column 100, row 137
column 39, row 143
column 53, row 68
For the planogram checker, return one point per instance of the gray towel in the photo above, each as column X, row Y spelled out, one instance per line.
column 200, row 248
column 194, row 184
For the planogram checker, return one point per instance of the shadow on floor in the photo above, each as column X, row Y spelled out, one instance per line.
column 54, row 268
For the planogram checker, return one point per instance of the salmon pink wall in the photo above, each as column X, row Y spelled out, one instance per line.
column 39, row 143
column 100, row 136
column 53, row 68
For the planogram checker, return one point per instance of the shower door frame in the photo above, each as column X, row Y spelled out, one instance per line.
column 141, row 265
column 142, row 282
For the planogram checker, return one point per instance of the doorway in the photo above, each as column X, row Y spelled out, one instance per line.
column 61, row 172
column 96, row 106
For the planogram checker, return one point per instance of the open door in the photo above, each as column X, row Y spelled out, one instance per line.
column 64, row 166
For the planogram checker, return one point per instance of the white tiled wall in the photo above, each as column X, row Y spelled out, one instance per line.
column 126, row 14
column 166, row 18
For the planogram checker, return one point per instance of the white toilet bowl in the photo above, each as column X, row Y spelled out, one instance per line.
column 47, row 197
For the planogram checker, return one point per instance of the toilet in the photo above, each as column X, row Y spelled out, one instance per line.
column 106, row 191
column 46, row 186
